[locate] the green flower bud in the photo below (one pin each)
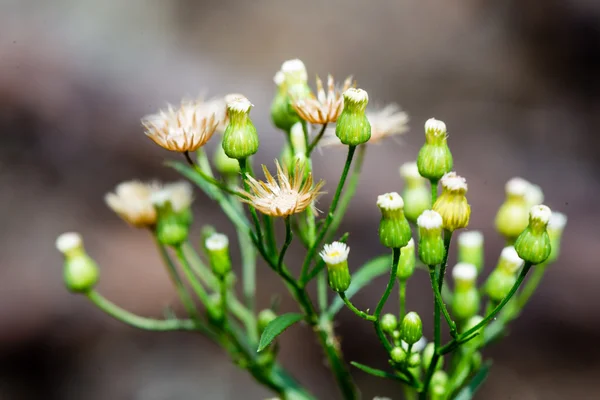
(407, 263)
(217, 247)
(240, 139)
(389, 323)
(431, 242)
(265, 317)
(281, 115)
(414, 360)
(411, 328)
(465, 301)
(335, 256)
(398, 355)
(512, 217)
(416, 195)
(452, 204)
(214, 309)
(502, 279)
(470, 248)
(556, 226)
(396, 334)
(171, 229)
(428, 353)
(225, 165)
(80, 271)
(435, 158)
(296, 80)
(394, 230)
(533, 245)
(353, 127)
(477, 341)
(286, 157)
(439, 378)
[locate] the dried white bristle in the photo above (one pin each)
(453, 182)
(390, 201)
(216, 242)
(335, 253)
(510, 256)
(239, 104)
(410, 170)
(279, 78)
(540, 213)
(429, 219)
(517, 186)
(68, 241)
(354, 95)
(435, 125)
(464, 272)
(557, 221)
(470, 239)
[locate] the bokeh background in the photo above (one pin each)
(517, 83)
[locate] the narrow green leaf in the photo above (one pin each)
(468, 391)
(371, 270)
(378, 373)
(276, 328)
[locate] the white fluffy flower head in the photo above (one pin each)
(435, 127)
(390, 201)
(69, 241)
(429, 220)
(540, 213)
(335, 253)
(464, 272)
(470, 239)
(294, 70)
(454, 183)
(216, 242)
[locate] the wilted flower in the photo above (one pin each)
(290, 194)
(187, 128)
(327, 107)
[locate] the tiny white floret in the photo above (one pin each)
(557, 221)
(470, 239)
(517, 187)
(429, 219)
(452, 182)
(390, 201)
(68, 241)
(540, 213)
(216, 242)
(354, 95)
(464, 272)
(435, 126)
(511, 259)
(335, 253)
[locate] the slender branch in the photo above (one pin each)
(355, 310)
(401, 299)
(322, 291)
(313, 249)
(383, 300)
(288, 240)
(434, 190)
(191, 277)
(444, 265)
(316, 140)
(244, 167)
(440, 302)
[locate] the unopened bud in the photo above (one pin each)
(171, 228)
(407, 263)
(389, 323)
(452, 204)
(556, 226)
(471, 323)
(533, 245)
(416, 195)
(225, 165)
(282, 115)
(470, 248)
(335, 256)
(265, 317)
(465, 300)
(80, 271)
(414, 360)
(297, 138)
(502, 279)
(431, 242)
(394, 230)
(411, 328)
(240, 139)
(353, 127)
(398, 355)
(512, 216)
(435, 158)
(217, 247)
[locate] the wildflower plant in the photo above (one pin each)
(415, 231)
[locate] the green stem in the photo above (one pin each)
(439, 302)
(270, 242)
(316, 140)
(401, 299)
(383, 300)
(288, 240)
(191, 277)
(322, 289)
(462, 338)
(244, 167)
(200, 269)
(444, 265)
(313, 249)
(209, 178)
(148, 324)
(355, 310)
(434, 190)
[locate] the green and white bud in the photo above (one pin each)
(470, 248)
(435, 158)
(398, 355)
(452, 204)
(394, 230)
(431, 242)
(466, 300)
(513, 214)
(217, 247)
(172, 227)
(296, 79)
(80, 271)
(265, 317)
(556, 226)
(389, 323)
(214, 309)
(504, 276)
(353, 127)
(335, 256)
(240, 139)
(408, 261)
(416, 194)
(471, 323)
(533, 245)
(411, 328)
(428, 353)
(282, 115)
(297, 138)
(438, 385)
(225, 165)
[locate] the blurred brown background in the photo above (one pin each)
(517, 82)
